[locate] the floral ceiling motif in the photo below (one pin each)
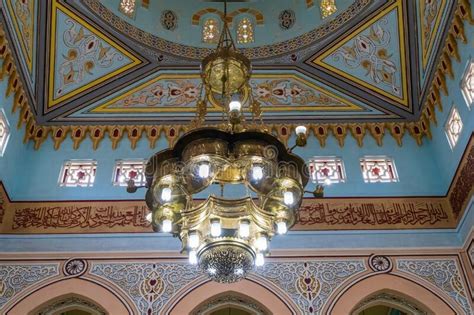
(82, 56)
(373, 57)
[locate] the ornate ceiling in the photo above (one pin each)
(85, 62)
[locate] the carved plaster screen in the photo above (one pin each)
(126, 170)
(453, 127)
(245, 31)
(378, 169)
(75, 173)
(4, 132)
(327, 7)
(127, 7)
(210, 31)
(327, 170)
(467, 84)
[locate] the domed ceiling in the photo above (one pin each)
(88, 62)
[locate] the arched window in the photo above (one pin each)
(245, 31)
(127, 7)
(210, 31)
(327, 7)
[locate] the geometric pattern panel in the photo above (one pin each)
(373, 56)
(81, 56)
(431, 16)
(22, 14)
(286, 94)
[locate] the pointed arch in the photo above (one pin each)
(250, 289)
(350, 298)
(87, 290)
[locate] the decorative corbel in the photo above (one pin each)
(415, 131)
(78, 133)
(59, 133)
(377, 130)
(452, 47)
(13, 83)
(40, 135)
(440, 82)
(425, 125)
(19, 100)
(97, 133)
(397, 130)
(153, 134)
(115, 135)
(446, 65)
(171, 134)
(134, 134)
(358, 132)
(457, 29)
(321, 133)
(339, 131)
(464, 11)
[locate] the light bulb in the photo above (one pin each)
(300, 130)
(235, 105)
(212, 270)
(149, 216)
(193, 257)
(288, 198)
(281, 227)
(259, 260)
(215, 228)
(257, 172)
(239, 271)
(327, 181)
(166, 194)
(204, 170)
(193, 239)
(244, 228)
(261, 243)
(166, 225)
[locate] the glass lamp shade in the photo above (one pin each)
(260, 175)
(226, 71)
(168, 191)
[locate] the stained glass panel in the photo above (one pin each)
(327, 7)
(453, 127)
(378, 169)
(78, 173)
(126, 170)
(327, 170)
(467, 84)
(210, 31)
(4, 132)
(245, 31)
(127, 7)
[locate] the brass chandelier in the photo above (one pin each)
(226, 191)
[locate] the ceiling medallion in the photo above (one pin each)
(225, 192)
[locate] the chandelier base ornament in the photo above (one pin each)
(226, 260)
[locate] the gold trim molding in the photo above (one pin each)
(417, 129)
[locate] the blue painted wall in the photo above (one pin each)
(423, 171)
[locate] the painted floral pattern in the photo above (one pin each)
(371, 52)
(443, 273)
(84, 56)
